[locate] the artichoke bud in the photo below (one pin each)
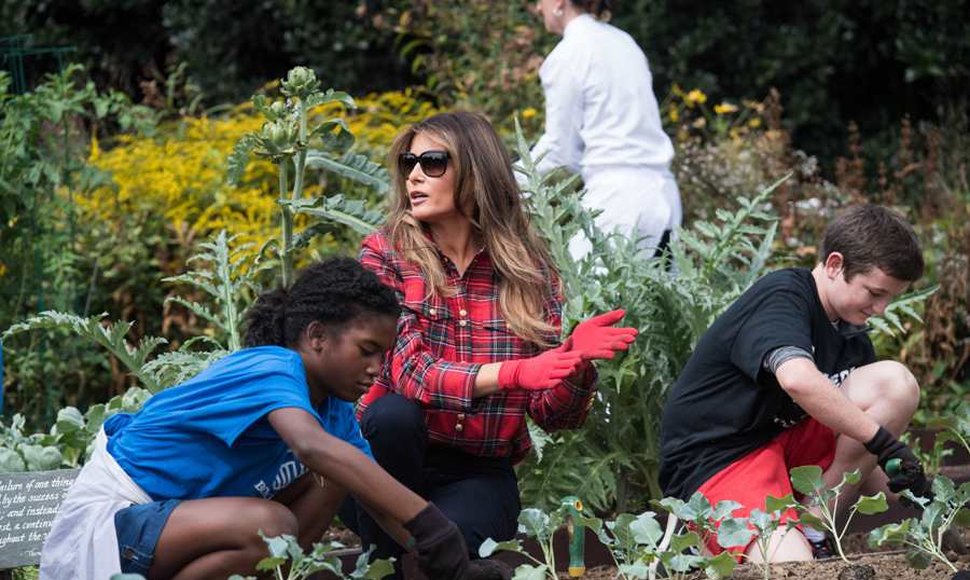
(277, 110)
(276, 137)
(300, 82)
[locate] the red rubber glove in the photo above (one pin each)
(539, 372)
(598, 338)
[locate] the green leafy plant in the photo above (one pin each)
(111, 336)
(955, 426)
(230, 283)
(701, 519)
(640, 549)
(541, 526)
(700, 514)
(734, 532)
(634, 543)
(932, 460)
(68, 443)
(765, 523)
(923, 537)
(22, 452)
(46, 137)
(286, 139)
(613, 461)
(225, 275)
(891, 321)
(288, 561)
(823, 508)
(481, 56)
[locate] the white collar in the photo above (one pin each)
(578, 22)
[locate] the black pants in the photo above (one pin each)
(479, 494)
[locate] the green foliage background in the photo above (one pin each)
(831, 61)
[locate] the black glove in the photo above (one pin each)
(488, 569)
(442, 553)
(908, 474)
(961, 575)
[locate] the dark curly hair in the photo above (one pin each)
(333, 292)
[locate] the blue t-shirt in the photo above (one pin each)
(210, 436)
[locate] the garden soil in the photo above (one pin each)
(886, 566)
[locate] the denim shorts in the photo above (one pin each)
(138, 527)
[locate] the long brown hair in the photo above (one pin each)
(487, 194)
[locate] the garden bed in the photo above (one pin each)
(885, 565)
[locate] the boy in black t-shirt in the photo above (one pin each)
(787, 377)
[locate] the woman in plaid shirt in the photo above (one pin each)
(478, 340)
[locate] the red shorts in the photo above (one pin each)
(764, 472)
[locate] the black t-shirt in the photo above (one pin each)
(724, 404)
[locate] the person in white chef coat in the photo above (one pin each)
(603, 122)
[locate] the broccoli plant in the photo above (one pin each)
(923, 537)
(699, 513)
(634, 543)
(701, 519)
(287, 561)
(761, 525)
(823, 506)
(542, 526)
(933, 460)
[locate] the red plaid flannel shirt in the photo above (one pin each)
(443, 341)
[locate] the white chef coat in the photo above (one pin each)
(603, 121)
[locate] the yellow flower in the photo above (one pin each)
(754, 123)
(180, 175)
(725, 108)
(695, 97)
(529, 113)
(3, 269)
(673, 114)
(95, 149)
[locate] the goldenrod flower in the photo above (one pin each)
(180, 174)
(725, 108)
(95, 149)
(695, 97)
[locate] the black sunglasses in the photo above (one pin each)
(433, 163)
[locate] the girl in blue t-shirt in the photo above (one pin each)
(264, 439)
